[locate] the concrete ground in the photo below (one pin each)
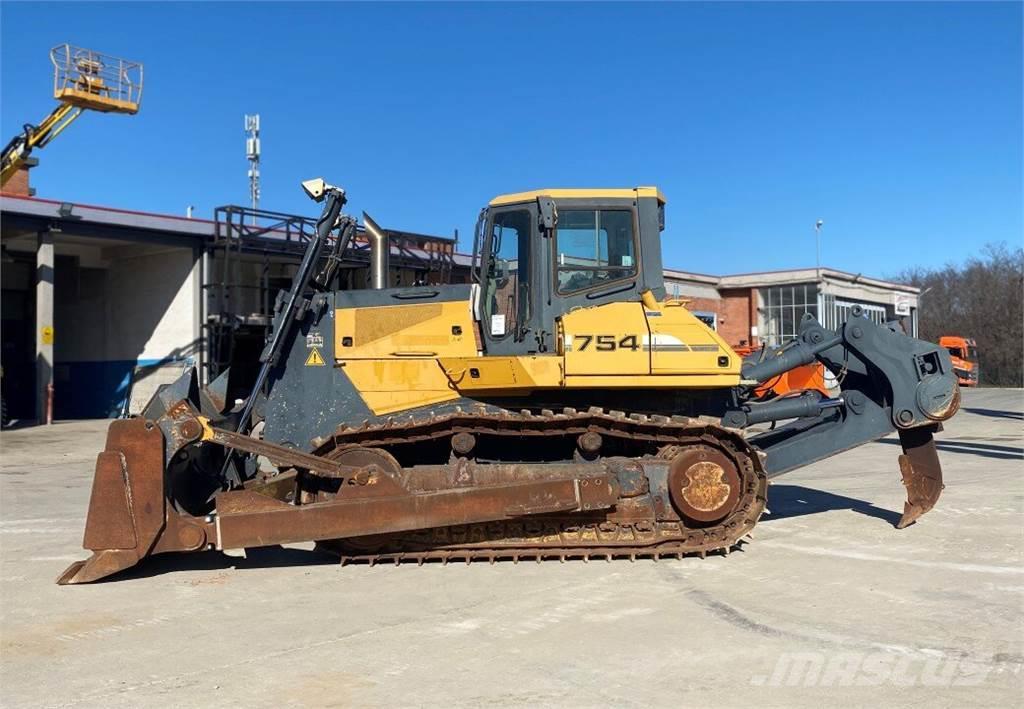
(828, 605)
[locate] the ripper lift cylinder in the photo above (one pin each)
(793, 355)
(805, 406)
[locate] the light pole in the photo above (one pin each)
(915, 321)
(817, 244)
(819, 286)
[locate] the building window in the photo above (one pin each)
(836, 312)
(874, 313)
(782, 307)
(709, 319)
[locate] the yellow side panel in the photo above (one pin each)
(509, 375)
(390, 385)
(409, 330)
(655, 381)
(681, 344)
(606, 339)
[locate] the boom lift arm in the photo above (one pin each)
(18, 150)
(82, 79)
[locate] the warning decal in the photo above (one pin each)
(314, 359)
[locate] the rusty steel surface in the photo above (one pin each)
(589, 443)
(681, 486)
(703, 482)
(922, 473)
(943, 405)
(282, 457)
(400, 430)
(463, 443)
(643, 523)
(353, 487)
(254, 520)
(377, 474)
(126, 508)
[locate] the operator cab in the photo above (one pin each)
(540, 254)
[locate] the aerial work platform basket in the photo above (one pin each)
(88, 79)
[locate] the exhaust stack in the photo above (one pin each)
(380, 253)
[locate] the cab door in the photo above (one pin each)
(506, 278)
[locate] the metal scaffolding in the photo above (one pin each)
(244, 234)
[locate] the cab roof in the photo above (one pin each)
(627, 193)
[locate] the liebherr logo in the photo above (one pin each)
(924, 668)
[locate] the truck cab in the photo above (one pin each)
(964, 353)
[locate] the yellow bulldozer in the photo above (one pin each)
(558, 406)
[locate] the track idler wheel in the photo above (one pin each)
(704, 484)
(321, 487)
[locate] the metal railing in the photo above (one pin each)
(90, 79)
(264, 235)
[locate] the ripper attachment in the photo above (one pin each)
(887, 382)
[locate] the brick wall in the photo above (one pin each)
(706, 305)
(734, 319)
(736, 311)
(18, 184)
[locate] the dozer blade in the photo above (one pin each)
(126, 509)
(922, 473)
(130, 516)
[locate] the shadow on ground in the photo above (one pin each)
(995, 413)
(784, 501)
(15, 424)
(258, 558)
(986, 450)
(787, 501)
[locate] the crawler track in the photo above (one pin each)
(645, 525)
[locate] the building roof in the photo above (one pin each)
(793, 275)
(28, 212)
(51, 209)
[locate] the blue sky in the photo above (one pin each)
(898, 124)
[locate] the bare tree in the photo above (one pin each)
(983, 299)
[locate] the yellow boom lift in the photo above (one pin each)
(82, 79)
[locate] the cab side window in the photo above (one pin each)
(593, 247)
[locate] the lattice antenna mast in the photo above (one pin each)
(252, 152)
